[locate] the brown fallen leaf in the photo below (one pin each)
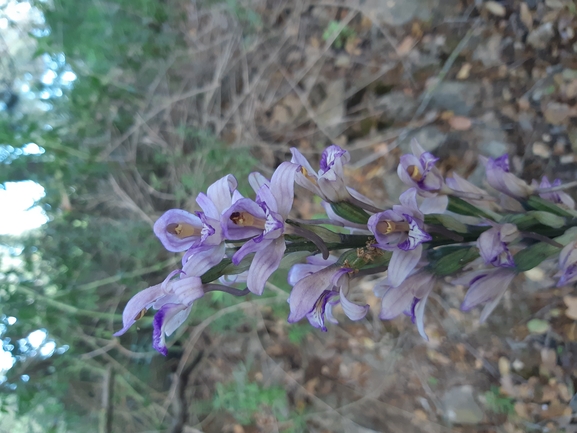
(495, 8)
(460, 123)
(525, 15)
(571, 302)
(406, 46)
(464, 72)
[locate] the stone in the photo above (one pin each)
(396, 106)
(429, 137)
(460, 406)
(541, 36)
(456, 96)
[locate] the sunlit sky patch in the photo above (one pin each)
(17, 211)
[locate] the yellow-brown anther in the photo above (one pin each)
(386, 227)
(141, 314)
(305, 172)
(414, 172)
(182, 230)
(246, 220)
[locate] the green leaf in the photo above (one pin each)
(538, 326)
(449, 260)
(548, 219)
(446, 221)
(538, 203)
(461, 207)
(350, 212)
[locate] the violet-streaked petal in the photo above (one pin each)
(395, 301)
(405, 162)
(176, 321)
(202, 258)
(141, 301)
(490, 306)
(188, 289)
(161, 318)
(220, 193)
(487, 287)
(569, 276)
(299, 271)
(299, 159)
(282, 187)
(316, 316)
(352, 311)
(171, 241)
(402, 263)
(408, 199)
(207, 205)
(420, 316)
(329, 312)
(416, 148)
(251, 246)
(416, 235)
(307, 291)
(332, 156)
(257, 180)
(437, 204)
(265, 262)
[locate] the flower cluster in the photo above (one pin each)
(423, 240)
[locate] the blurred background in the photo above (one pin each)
(112, 112)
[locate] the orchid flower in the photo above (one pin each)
(568, 264)
(557, 197)
(173, 299)
(262, 220)
(400, 230)
(493, 243)
(485, 286)
(329, 182)
(418, 171)
(199, 233)
(410, 297)
(500, 178)
(315, 295)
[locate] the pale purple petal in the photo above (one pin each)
(282, 187)
(298, 158)
(266, 196)
(490, 306)
(203, 258)
(568, 264)
(257, 180)
(353, 311)
(402, 263)
(486, 288)
(416, 148)
(499, 177)
(251, 246)
(220, 193)
(265, 262)
(408, 199)
(437, 204)
(316, 316)
(307, 291)
(299, 271)
(332, 160)
(334, 217)
(141, 301)
(415, 237)
(171, 241)
(420, 316)
(161, 318)
(175, 321)
(404, 163)
(207, 205)
(395, 301)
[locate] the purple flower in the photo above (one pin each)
(410, 298)
(568, 264)
(199, 233)
(502, 180)
(400, 230)
(314, 264)
(557, 197)
(262, 220)
(329, 182)
(173, 299)
(315, 295)
(418, 171)
(493, 243)
(488, 285)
